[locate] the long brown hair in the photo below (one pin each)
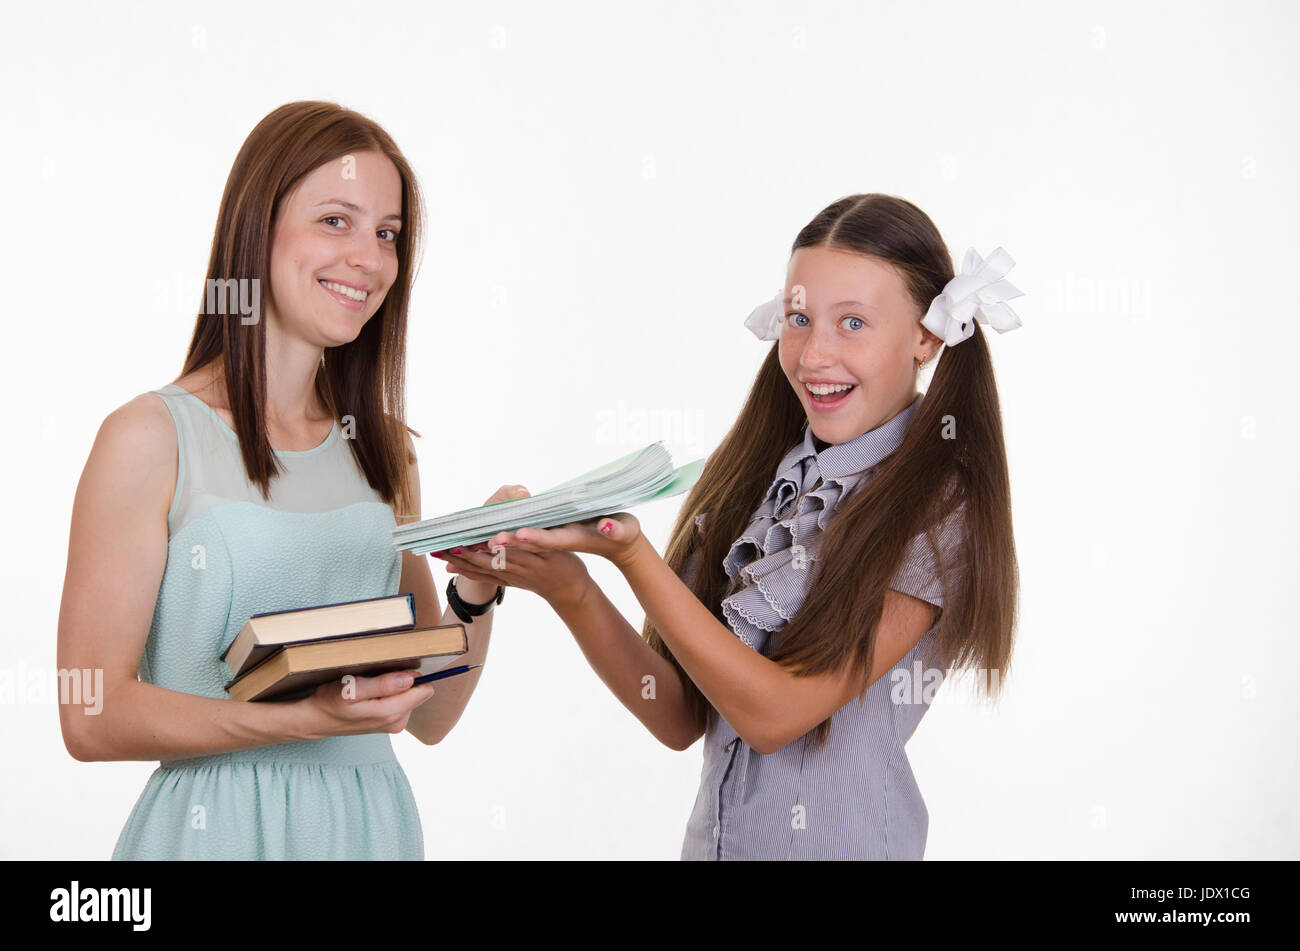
(918, 485)
(365, 378)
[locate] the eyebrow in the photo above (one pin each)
(351, 207)
(847, 303)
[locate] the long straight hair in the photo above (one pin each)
(918, 486)
(365, 378)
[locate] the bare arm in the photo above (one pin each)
(766, 703)
(647, 684)
(117, 552)
(431, 722)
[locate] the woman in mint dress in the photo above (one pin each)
(268, 477)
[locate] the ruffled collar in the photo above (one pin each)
(768, 587)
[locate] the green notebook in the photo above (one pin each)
(636, 478)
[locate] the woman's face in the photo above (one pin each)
(337, 227)
(850, 321)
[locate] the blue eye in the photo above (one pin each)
(859, 323)
(795, 318)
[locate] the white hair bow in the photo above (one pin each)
(977, 293)
(766, 319)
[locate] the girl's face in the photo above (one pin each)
(850, 322)
(337, 227)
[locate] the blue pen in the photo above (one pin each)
(443, 673)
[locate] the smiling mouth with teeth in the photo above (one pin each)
(349, 292)
(828, 392)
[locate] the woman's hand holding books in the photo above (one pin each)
(361, 705)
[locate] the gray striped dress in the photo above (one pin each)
(856, 798)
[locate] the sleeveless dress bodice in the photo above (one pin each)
(322, 537)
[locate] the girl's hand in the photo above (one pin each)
(615, 537)
(503, 494)
(363, 705)
(556, 575)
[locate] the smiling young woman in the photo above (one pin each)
(267, 477)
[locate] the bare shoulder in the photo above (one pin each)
(134, 453)
(142, 426)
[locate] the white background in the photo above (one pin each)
(611, 190)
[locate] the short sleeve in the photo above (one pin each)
(919, 574)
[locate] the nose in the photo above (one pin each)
(365, 252)
(820, 348)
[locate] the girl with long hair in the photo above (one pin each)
(267, 477)
(846, 546)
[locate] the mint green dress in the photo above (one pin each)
(323, 537)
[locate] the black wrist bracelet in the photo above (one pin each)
(467, 611)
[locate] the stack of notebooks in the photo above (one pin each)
(284, 655)
(639, 477)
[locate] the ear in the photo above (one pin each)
(928, 344)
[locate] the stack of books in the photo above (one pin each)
(283, 655)
(639, 477)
